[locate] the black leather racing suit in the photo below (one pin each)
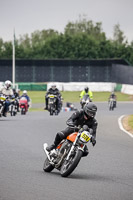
(54, 92)
(76, 119)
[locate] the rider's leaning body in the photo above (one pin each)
(8, 92)
(79, 118)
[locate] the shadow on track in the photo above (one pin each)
(92, 177)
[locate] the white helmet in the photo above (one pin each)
(8, 84)
(25, 92)
(53, 86)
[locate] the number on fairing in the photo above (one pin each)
(51, 96)
(2, 98)
(84, 137)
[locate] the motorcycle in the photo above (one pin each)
(13, 107)
(86, 99)
(112, 103)
(23, 104)
(68, 153)
(2, 103)
(52, 104)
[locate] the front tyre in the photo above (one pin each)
(69, 166)
(47, 167)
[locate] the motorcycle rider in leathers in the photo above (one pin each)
(53, 90)
(86, 116)
(7, 91)
(113, 96)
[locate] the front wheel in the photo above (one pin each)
(51, 110)
(69, 165)
(47, 167)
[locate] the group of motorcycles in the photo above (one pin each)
(16, 105)
(86, 99)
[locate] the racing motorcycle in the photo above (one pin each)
(68, 153)
(2, 103)
(111, 104)
(52, 104)
(23, 104)
(13, 106)
(86, 99)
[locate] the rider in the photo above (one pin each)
(26, 96)
(113, 96)
(86, 91)
(53, 90)
(16, 95)
(79, 118)
(7, 91)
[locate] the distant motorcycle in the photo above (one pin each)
(13, 107)
(68, 153)
(2, 103)
(23, 104)
(111, 104)
(52, 99)
(85, 99)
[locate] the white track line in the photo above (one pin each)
(121, 127)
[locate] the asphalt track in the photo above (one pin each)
(106, 174)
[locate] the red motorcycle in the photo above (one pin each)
(23, 104)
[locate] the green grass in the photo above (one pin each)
(39, 96)
(130, 121)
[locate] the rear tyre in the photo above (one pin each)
(69, 166)
(22, 111)
(47, 167)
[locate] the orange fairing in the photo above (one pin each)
(72, 137)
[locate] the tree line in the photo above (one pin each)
(82, 39)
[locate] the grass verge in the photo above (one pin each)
(39, 96)
(130, 121)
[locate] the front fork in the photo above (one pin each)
(73, 146)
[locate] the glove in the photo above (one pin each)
(93, 141)
(70, 123)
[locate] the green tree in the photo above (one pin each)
(118, 34)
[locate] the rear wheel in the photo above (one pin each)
(47, 167)
(23, 111)
(14, 113)
(69, 165)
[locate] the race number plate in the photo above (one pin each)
(84, 137)
(51, 96)
(2, 98)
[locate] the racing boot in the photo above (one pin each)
(58, 138)
(5, 114)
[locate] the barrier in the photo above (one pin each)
(79, 86)
(127, 89)
(32, 86)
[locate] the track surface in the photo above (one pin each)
(106, 174)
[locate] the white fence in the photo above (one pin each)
(79, 86)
